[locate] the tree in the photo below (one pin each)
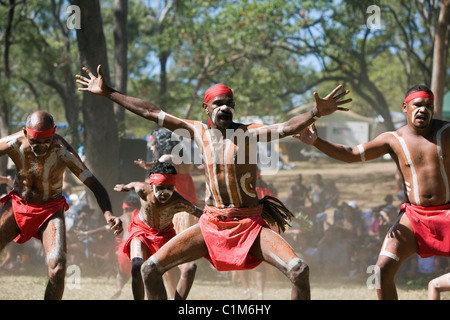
(120, 58)
(101, 135)
(441, 43)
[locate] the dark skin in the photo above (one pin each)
(158, 212)
(190, 245)
(427, 185)
(40, 165)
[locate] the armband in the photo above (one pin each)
(161, 116)
(362, 152)
(315, 117)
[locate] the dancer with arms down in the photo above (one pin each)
(35, 207)
(232, 232)
(421, 151)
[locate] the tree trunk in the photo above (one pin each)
(100, 128)
(441, 41)
(4, 129)
(120, 58)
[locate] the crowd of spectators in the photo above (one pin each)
(339, 239)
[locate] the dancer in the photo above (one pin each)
(420, 150)
(232, 232)
(153, 227)
(35, 207)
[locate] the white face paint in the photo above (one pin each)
(40, 149)
(162, 195)
(422, 109)
(221, 108)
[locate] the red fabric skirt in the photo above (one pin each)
(431, 227)
(229, 234)
(31, 216)
(122, 259)
(152, 238)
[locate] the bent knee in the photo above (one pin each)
(298, 271)
(151, 268)
(57, 268)
(189, 270)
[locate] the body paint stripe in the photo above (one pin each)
(411, 166)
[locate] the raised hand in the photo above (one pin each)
(94, 84)
(331, 102)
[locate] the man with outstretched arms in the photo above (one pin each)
(35, 207)
(421, 151)
(232, 232)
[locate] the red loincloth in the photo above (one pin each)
(31, 216)
(152, 238)
(229, 234)
(431, 227)
(122, 259)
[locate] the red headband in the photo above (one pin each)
(126, 205)
(217, 90)
(159, 178)
(419, 94)
(40, 134)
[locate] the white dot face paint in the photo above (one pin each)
(162, 195)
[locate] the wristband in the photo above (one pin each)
(313, 115)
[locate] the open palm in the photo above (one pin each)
(92, 84)
(331, 102)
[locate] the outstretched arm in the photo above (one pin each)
(143, 108)
(324, 106)
(362, 152)
(97, 85)
(141, 188)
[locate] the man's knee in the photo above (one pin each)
(298, 271)
(151, 269)
(387, 266)
(189, 270)
(136, 264)
(57, 268)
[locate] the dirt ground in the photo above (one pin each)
(367, 184)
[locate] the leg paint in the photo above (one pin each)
(53, 239)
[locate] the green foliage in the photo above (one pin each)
(272, 53)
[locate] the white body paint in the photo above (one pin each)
(362, 152)
(57, 251)
(415, 179)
